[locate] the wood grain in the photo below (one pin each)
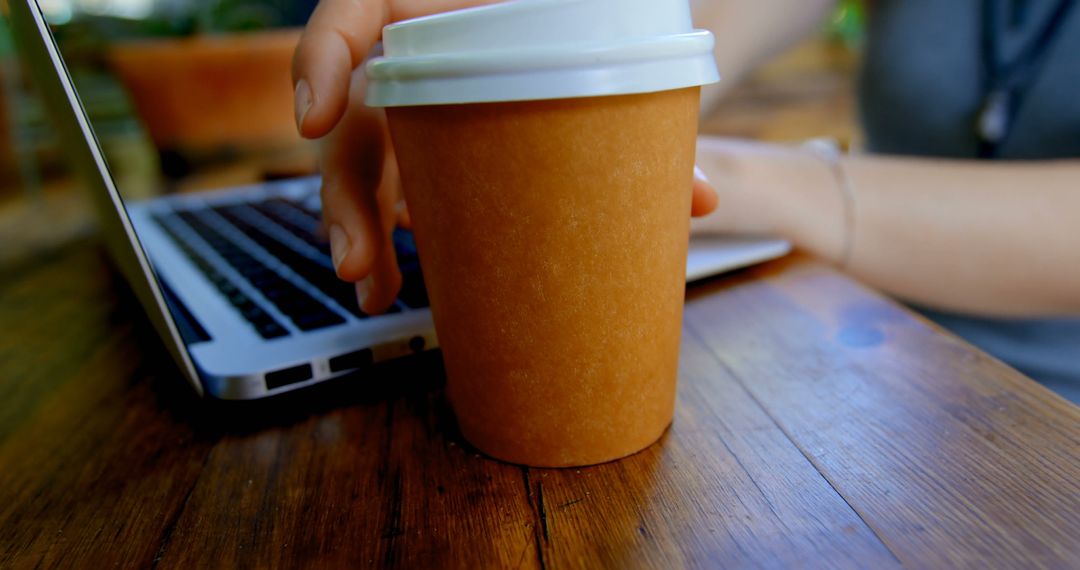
(725, 488)
(818, 425)
(94, 467)
(953, 458)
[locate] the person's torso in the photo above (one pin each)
(923, 86)
(924, 79)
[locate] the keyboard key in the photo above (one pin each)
(302, 309)
(318, 272)
(263, 322)
(413, 291)
(316, 320)
(262, 222)
(304, 224)
(296, 221)
(405, 244)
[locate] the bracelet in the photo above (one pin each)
(828, 150)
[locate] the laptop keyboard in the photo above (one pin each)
(305, 226)
(312, 270)
(263, 323)
(290, 232)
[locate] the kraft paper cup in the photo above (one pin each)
(553, 237)
(546, 150)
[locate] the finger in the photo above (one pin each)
(335, 41)
(360, 212)
(379, 290)
(352, 168)
(406, 9)
(704, 198)
(404, 220)
(707, 219)
(391, 185)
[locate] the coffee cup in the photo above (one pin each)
(546, 150)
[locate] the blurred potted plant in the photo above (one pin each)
(207, 74)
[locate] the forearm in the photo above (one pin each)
(988, 238)
(750, 33)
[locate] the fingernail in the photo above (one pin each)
(339, 244)
(363, 290)
(303, 102)
(700, 174)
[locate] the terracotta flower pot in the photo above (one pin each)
(208, 91)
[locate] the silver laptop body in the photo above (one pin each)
(238, 282)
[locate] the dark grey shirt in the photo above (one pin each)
(921, 89)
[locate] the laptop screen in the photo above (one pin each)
(186, 95)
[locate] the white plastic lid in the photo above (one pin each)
(541, 49)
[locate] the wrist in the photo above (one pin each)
(822, 219)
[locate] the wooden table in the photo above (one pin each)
(818, 425)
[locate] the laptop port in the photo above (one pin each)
(352, 360)
(286, 376)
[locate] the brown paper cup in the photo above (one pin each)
(552, 237)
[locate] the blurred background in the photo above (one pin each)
(187, 95)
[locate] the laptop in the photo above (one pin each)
(238, 282)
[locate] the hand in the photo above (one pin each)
(768, 189)
(361, 192)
